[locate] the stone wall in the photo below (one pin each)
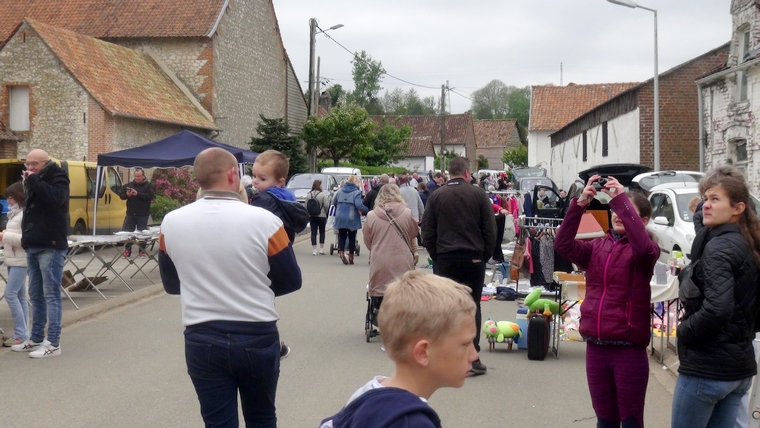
(58, 104)
(493, 155)
(249, 70)
(130, 133)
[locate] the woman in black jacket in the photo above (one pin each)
(717, 360)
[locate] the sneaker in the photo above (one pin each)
(127, 253)
(322, 251)
(314, 253)
(46, 351)
(141, 255)
(28, 346)
(478, 368)
(12, 341)
(284, 350)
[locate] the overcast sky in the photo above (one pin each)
(520, 42)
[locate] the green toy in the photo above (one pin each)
(535, 303)
(501, 331)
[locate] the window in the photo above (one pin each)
(738, 155)
(18, 111)
(743, 50)
(744, 45)
(585, 147)
(605, 141)
(667, 210)
(741, 83)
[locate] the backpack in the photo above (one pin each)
(312, 205)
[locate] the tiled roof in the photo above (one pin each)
(457, 126)
(553, 107)
(116, 18)
(493, 132)
(421, 147)
(125, 82)
(8, 135)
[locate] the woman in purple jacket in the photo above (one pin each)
(615, 312)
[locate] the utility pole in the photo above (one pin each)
(443, 128)
(312, 155)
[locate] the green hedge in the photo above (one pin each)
(162, 205)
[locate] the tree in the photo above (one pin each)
(496, 100)
(394, 103)
(367, 76)
(389, 145)
(408, 103)
(449, 156)
(482, 162)
(516, 157)
(519, 105)
(274, 134)
(491, 101)
(345, 131)
(337, 94)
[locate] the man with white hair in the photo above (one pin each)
(44, 226)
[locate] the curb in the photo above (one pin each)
(77, 315)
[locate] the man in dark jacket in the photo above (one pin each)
(459, 233)
(138, 193)
(435, 182)
(369, 200)
(43, 237)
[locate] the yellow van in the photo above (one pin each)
(111, 208)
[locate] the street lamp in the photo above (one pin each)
(633, 5)
(313, 104)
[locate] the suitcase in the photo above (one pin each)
(538, 337)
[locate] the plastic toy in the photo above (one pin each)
(536, 304)
(500, 332)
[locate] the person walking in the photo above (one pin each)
(348, 204)
(459, 233)
(319, 221)
(43, 236)
(720, 301)
(227, 261)
(424, 193)
(390, 233)
(138, 193)
(615, 313)
(15, 260)
(369, 199)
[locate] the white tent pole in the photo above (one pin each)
(98, 178)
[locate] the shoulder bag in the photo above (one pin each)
(401, 233)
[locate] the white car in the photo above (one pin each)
(672, 223)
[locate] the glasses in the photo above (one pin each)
(34, 163)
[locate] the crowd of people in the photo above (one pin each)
(228, 278)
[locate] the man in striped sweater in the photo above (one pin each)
(228, 260)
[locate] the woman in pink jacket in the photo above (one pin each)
(392, 245)
(615, 312)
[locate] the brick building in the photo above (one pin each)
(221, 62)
(552, 107)
(459, 134)
(730, 132)
(495, 136)
(621, 130)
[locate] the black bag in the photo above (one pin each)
(538, 337)
(312, 205)
(506, 293)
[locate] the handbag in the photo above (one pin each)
(509, 229)
(392, 221)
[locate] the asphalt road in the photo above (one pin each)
(125, 367)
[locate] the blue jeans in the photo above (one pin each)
(45, 267)
(700, 402)
(222, 364)
(15, 295)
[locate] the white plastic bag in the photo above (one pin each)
(509, 229)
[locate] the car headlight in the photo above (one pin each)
(690, 238)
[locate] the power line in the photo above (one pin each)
(463, 96)
(386, 73)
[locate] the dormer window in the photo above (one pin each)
(744, 46)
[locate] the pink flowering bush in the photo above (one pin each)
(174, 187)
(176, 183)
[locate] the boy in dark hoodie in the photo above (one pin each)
(269, 172)
(427, 357)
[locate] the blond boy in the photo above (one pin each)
(428, 324)
(270, 170)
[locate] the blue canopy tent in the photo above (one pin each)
(175, 151)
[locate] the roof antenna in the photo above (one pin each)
(560, 74)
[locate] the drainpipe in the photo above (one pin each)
(700, 108)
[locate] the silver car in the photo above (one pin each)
(301, 184)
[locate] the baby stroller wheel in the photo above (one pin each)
(332, 249)
(357, 250)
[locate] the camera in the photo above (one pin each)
(599, 184)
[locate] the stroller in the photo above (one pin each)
(370, 320)
(334, 246)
